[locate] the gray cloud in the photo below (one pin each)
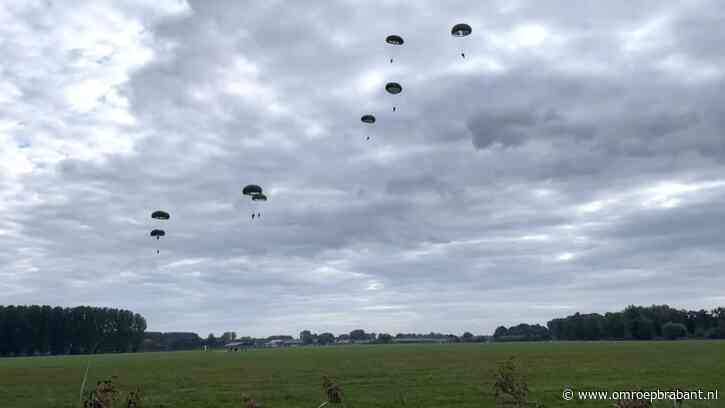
(573, 161)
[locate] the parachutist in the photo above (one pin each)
(463, 55)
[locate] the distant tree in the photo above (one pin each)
(306, 337)
(467, 337)
(674, 331)
(501, 331)
(326, 338)
(211, 341)
(228, 337)
(642, 328)
(385, 338)
(614, 326)
(358, 334)
(30, 330)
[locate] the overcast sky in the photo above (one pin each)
(574, 161)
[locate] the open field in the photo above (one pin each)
(456, 375)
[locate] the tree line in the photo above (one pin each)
(641, 323)
(633, 323)
(33, 330)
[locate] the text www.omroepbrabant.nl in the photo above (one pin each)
(672, 395)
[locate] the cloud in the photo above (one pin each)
(572, 162)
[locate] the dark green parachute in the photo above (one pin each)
(160, 215)
(461, 30)
(393, 88)
(157, 233)
(252, 189)
(394, 40)
(368, 119)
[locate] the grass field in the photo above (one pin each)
(456, 375)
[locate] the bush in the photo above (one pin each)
(510, 388)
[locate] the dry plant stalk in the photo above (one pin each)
(249, 402)
(103, 396)
(332, 392)
(510, 388)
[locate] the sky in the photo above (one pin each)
(573, 161)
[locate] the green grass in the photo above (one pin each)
(457, 375)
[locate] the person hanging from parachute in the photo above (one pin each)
(369, 120)
(157, 233)
(256, 194)
(393, 88)
(395, 41)
(461, 30)
(159, 215)
(258, 198)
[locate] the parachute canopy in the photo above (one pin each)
(394, 40)
(252, 189)
(461, 30)
(160, 215)
(393, 88)
(259, 197)
(158, 233)
(368, 119)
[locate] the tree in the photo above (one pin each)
(642, 328)
(358, 334)
(674, 331)
(211, 341)
(306, 337)
(467, 337)
(228, 337)
(326, 338)
(501, 331)
(29, 330)
(385, 338)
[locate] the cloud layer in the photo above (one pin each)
(574, 161)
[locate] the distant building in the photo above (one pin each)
(236, 346)
(408, 340)
(283, 343)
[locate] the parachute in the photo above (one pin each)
(368, 119)
(160, 215)
(157, 233)
(252, 189)
(393, 88)
(257, 196)
(396, 41)
(461, 30)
